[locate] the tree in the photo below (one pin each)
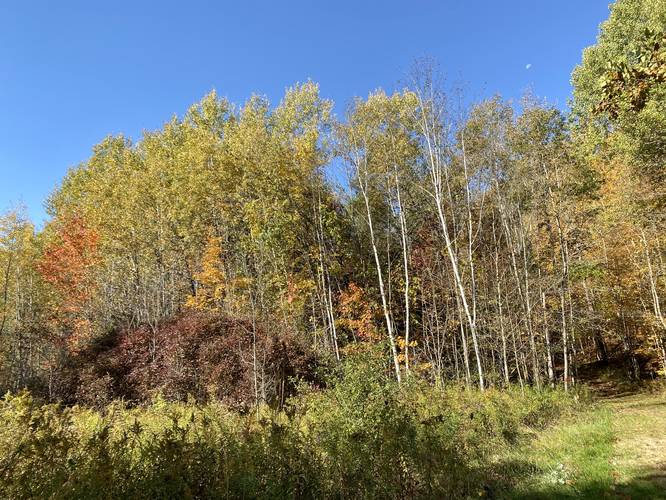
(68, 265)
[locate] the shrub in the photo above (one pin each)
(362, 437)
(198, 354)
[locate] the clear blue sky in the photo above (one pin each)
(72, 72)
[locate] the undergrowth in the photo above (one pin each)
(362, 437)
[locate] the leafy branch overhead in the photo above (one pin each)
(628, 80)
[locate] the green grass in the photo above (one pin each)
(614, 450)
(571, 460)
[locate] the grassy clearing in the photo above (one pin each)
(640, 451)
(617, 449)
(571, 460)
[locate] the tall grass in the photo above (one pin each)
(363, 437)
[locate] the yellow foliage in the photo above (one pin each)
(210, 290)
(357, 313)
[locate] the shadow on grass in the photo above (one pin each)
(523, 480)
(642, 405)
(637, 489)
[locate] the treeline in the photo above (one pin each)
(493, 245)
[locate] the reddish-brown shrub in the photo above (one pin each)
(199, 354)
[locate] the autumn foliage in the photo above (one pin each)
(210, 281)
(500, 244)
(68, 265)
(202, 355)
(358, 315)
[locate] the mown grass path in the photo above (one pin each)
(617, 450)
(639, 458)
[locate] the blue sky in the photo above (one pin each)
(72, 72)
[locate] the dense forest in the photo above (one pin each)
(353, 287)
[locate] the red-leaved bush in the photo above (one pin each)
(201, 355)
